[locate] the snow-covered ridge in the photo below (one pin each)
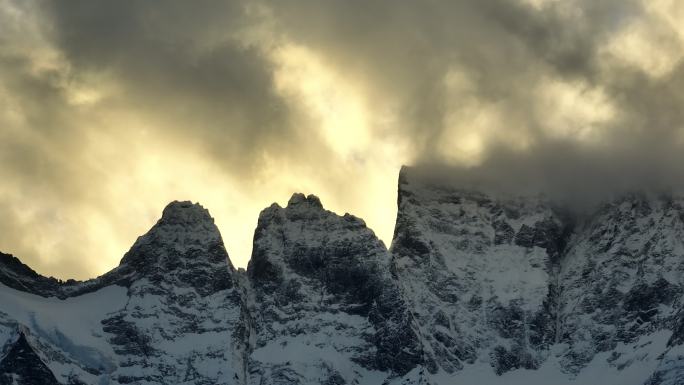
(514, 284)
(478, 287)
(325, 305)
(171, 312)
(182, 228)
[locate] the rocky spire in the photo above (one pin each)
(309, 265)
(184, 247)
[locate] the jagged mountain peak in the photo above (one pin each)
(185, 213)
(303, 223)
(17, 275)
(309, 211)
(183, 226)
(183, 248)
(314, 274)
(300, 200)
(11, 265)
(184, 243)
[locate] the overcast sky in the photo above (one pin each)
(111, 109)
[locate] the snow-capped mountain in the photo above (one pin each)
(479, 272)
(171, 313)
(478, 287)
(513, 290)
(326, 308)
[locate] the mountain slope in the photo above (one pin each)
(326, 308)
(170, 313)
(511, 289)
(480, 273)
(622, 283)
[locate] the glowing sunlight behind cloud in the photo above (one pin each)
(327, 97)
(109, 110)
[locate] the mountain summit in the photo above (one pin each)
(184, 248)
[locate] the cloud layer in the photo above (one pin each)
(108, 110)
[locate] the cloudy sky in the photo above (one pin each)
(111, 109)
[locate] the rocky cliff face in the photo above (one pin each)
(477, 287)
(520, 286)
(326, 307)
(170, 313)
(480, 273)
(22, 366)
(622, 283)
(182, 320)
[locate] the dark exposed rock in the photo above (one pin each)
(307, 261)
(504, 360)
(643, 298)
(504, 233)
(22, 366)
(126, 338)
(18, 276)
(614, 286)
(547, 234)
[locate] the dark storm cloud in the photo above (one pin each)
(538, 87)
(573, 176)
(405, 49)
(508, 48)
(186, 63)
(183, 67)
